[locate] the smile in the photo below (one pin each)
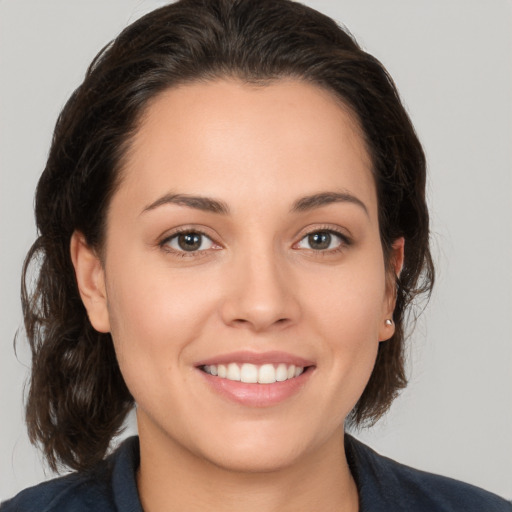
(254, 374)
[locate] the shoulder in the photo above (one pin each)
(388, 485)
(75, 492)
(110, 486)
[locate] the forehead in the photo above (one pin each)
(232, 140)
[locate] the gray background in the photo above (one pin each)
(452, 62)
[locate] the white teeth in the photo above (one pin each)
(267, 374)
(249, 373)
(252, 374)
(233, 371)
(281, 372)
(212, 370)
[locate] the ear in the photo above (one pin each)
(396, 262)
(90, 277)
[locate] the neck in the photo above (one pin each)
(171, 478)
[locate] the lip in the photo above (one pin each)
(241, 357)
(256, 395)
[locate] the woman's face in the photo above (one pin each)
(243, 243)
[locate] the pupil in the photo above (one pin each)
(321, 240)
(189, 241)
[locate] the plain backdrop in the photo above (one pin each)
(452, 61)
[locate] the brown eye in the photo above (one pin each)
(321, 241)
(189, 241)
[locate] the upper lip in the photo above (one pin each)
(257, 358)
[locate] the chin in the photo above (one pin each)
(255, 460)
(266, 448)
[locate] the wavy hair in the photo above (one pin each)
(77, 400)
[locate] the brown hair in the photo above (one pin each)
(78, 399)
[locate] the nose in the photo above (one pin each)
(261, 294)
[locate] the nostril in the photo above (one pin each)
(240, 321)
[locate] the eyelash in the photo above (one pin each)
(344, 241)
(164, 244)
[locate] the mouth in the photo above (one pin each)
(253, 373)
(256, 379)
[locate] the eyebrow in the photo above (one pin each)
(209, 204)
(206, 204)
(324, 198)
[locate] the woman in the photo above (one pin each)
(232, 226)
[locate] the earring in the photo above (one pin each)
(388, 322)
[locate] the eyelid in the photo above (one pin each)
(341, 233)
(346, 239)
(200, 230)
(331, 228)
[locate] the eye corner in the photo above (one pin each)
(188, 242)
(328, 240)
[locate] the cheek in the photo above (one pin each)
(151, 325)
(154, 311)
(346, 309)
(349, 301)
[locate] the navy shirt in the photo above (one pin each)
(383, 484)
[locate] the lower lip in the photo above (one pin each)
(257, 395)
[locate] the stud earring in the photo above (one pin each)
(388, 322)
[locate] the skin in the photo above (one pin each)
(256, 284)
